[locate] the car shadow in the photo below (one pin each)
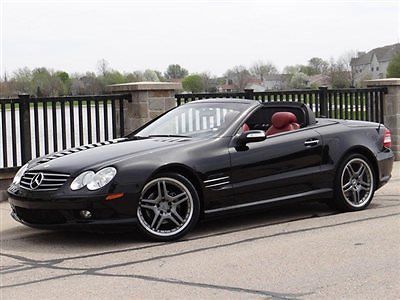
(116, 237)
(22, 237)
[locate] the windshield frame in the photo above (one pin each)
(229, 131)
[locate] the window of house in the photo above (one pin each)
(377, 68)
(372, 69)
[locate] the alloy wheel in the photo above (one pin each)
(165, 207)
(357, 182)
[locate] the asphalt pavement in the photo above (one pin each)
(303, 251)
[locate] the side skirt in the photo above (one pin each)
(273, 200)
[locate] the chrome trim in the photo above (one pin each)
(217, 184)
(47, 174)
(50, 182)
(319, 191)
(216, 179)
(311, 143)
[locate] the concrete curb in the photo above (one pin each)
(395, 175)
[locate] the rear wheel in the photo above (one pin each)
(354, 184)
(169, 207)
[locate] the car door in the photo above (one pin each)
(284, 164)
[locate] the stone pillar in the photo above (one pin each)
(391, 109)
(149, 100)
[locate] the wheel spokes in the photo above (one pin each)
(357, 182)
(179, 199)
(156, 215)
(150, 201)
(351, 170)
(151, 207)
(356, 196)
(172, 218)
(347, 187)
(175, 213)
(160, 222)
(170, 203)
(361, 171)
(364, 185)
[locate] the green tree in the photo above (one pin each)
(86, 84)
(339, 74)
(64, 77)
(239, 76)
(175, 72)
(261, 69)
(112, 77)
(299, 80)
(66, 81)
(209, 82)
(150, 75)
(393, 70)
(193, 83)
(135, 76)
(318, 66)
(46, 83)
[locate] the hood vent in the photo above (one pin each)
(52, 156)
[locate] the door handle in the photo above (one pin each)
(311, 142)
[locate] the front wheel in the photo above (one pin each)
(168, 208)
(354, 184)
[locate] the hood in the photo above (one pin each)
(102, 154)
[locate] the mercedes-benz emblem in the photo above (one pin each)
(36, 181)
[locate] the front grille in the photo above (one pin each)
(50, 181)
(40, 216)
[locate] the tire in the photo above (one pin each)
(169, 207)
(355, 183)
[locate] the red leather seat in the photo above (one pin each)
(282, 122)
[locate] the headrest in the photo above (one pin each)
(281, 119)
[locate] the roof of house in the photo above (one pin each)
(226, 86)
(382, 54)
(276, 77)
(320, 80)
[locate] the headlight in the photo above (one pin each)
(93, 181)
(82, 180)
(101, 178)
(20, 173)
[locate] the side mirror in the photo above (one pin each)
(251, 136)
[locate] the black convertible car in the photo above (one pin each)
(205, 158)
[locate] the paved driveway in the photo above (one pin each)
(301, 251)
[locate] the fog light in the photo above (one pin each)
(85, 214)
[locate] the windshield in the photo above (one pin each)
(195, 120)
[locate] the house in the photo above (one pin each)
(319, 80)
(228, 86)
(373, 64)
(276, 81)
(269, 82)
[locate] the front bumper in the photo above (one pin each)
(66, 212)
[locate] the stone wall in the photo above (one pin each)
(149, 100)
(391, 109)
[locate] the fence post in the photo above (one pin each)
(391, 108)
(323, 101)
(249, 94)
(25, 128)
(149, 100)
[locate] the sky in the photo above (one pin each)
(199, 35)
